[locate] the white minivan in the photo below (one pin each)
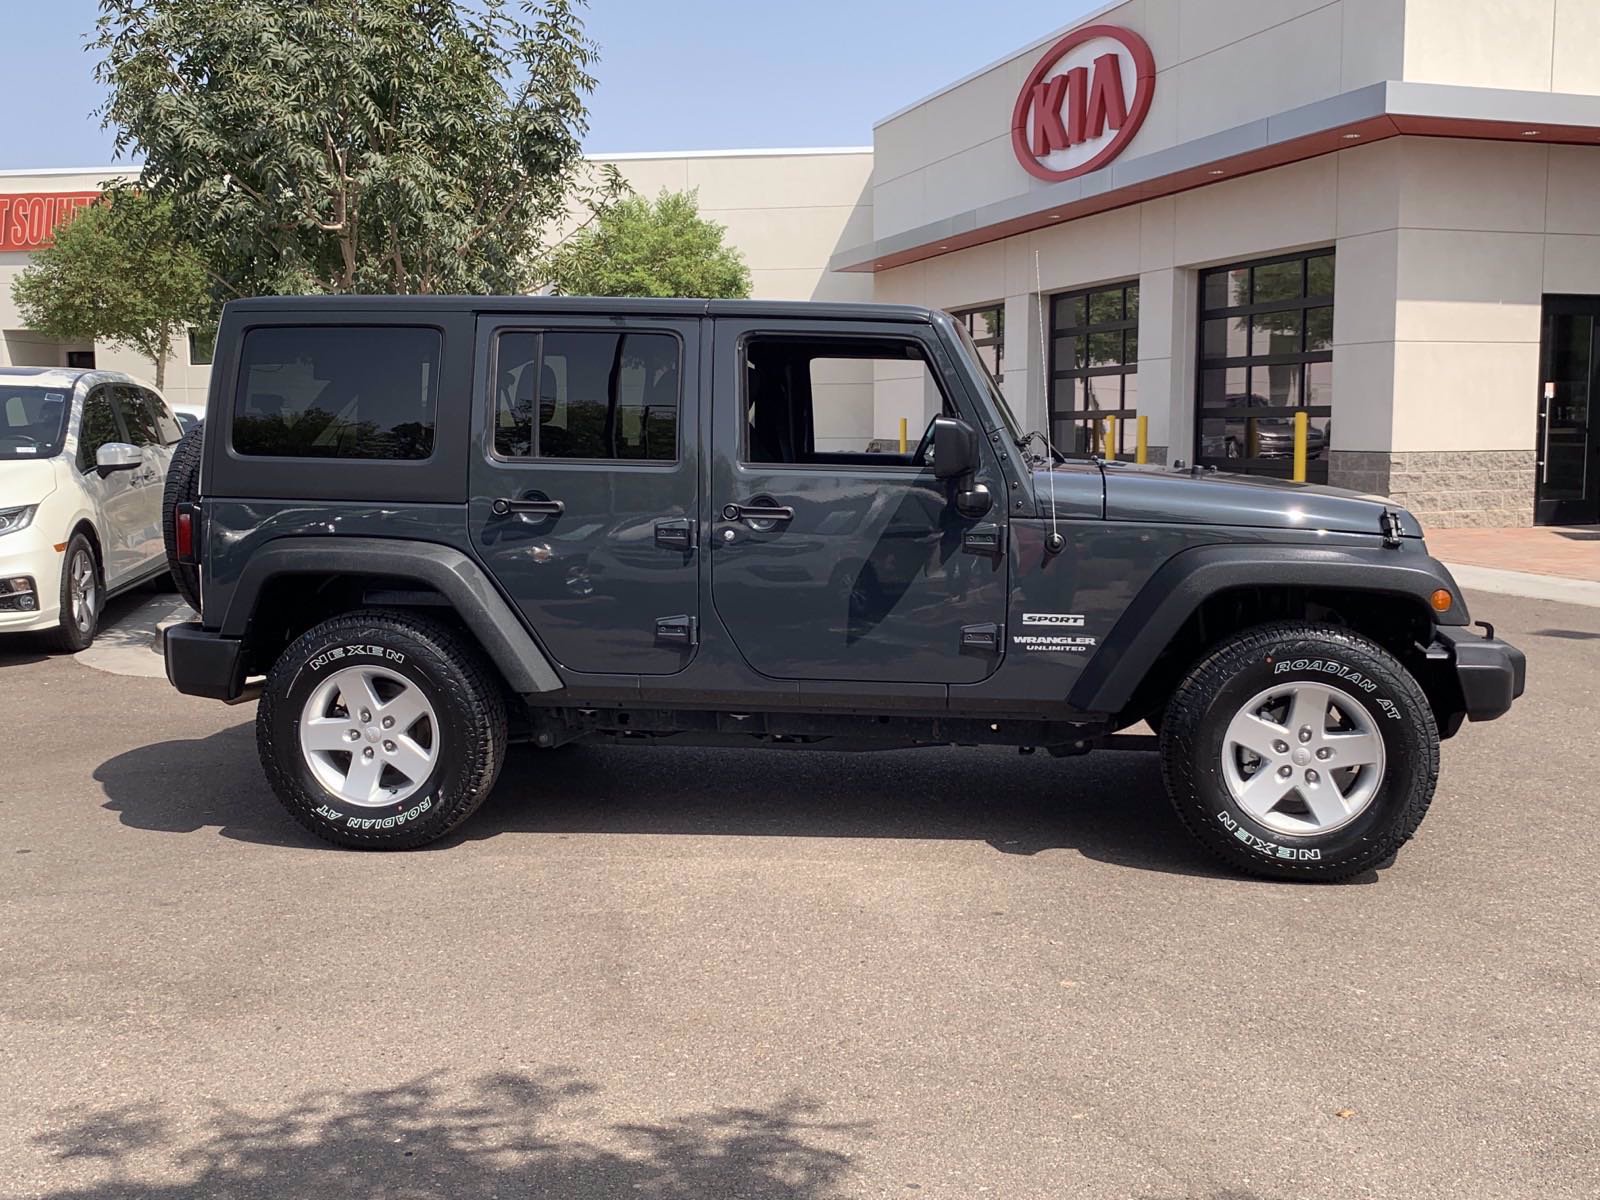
(83, 461)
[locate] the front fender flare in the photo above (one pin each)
(1176, 590)
(443, 568)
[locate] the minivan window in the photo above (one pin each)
(577, 394)
(166, 424)
(136, 416)
(100, 426)
(33, 421)
(328, 391)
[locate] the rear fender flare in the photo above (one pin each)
(445, 569)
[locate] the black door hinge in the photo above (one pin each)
(987, 538)
(982, 639)
(678, 631)
(676, 534)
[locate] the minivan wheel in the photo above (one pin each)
(381, 731)
(1300, 751)
(81, 597)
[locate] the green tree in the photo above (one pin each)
(118, 272)
(639, 247)
(356, 145)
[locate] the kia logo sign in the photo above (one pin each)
(1083, 102)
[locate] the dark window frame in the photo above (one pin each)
(1061, 379)
(1280, 466)
(240, 390)
(929, 362)
(535, 459)
(964, 316)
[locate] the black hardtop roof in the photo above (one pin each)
(796, 309)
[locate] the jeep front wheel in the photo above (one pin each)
(381, 731)
(1300, 752)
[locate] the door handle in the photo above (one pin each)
(543, 508)
(757, 512)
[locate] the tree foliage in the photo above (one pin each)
(356, 145)
(119, 272)
(639, 247)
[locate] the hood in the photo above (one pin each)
(26, 480)
(1159, 494)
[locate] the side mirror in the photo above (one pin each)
(118, 456)
(955, 448)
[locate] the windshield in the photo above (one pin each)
(976, 359)
(33, 420)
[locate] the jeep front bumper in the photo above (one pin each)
(201, 662)
(1490, 673)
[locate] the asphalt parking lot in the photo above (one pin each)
(678, 973)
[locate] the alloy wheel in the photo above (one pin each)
(369, 736)
(1303, 758)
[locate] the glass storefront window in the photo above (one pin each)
(1266, 350)
(1094, 370)
(987, 327)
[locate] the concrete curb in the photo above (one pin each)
(1531, 587)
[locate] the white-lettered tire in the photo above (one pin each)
(1299, 751)
(381, 731)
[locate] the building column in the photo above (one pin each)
(1167, 334)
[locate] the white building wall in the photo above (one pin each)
(1526, 45)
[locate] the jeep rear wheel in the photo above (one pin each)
(1300, 752)
(182, 487)
(381, 731)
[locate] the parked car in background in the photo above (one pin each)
(1273, 435)
(83, 460)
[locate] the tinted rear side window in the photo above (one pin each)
(587, 395)
(337, 392)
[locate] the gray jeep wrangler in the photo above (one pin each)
(420, 528)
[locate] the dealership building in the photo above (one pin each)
(1210, 214)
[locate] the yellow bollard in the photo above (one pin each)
(1302, 430)
(902, 435)
(1141, 452)
(1111, 439)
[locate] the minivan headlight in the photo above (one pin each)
(13, 519)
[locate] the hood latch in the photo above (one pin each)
(1389, 524)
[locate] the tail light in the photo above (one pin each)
(184, 519)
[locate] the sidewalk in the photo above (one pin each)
(1542, 563)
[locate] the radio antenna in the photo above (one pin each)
(1054, 543)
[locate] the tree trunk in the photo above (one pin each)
(163, 348)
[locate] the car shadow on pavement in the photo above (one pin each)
(508, 1134)
(1108, 806)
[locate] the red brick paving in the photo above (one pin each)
(1547, 550)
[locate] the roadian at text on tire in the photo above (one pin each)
(424, 527)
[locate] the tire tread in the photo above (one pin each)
(1182, 726)
(475, 689)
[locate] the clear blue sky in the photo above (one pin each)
(674, 74)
